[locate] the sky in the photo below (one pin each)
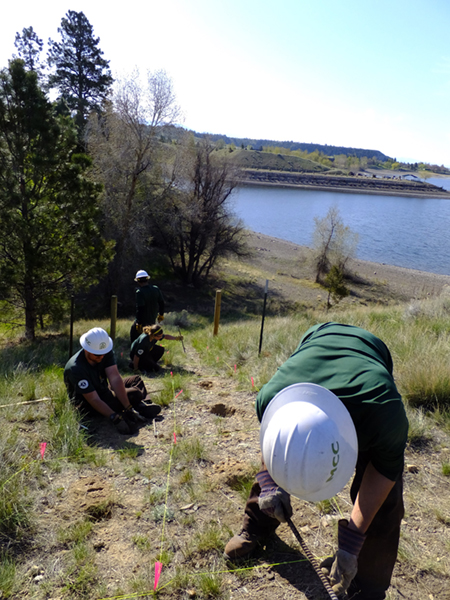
(373, 75)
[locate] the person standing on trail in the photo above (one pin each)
(332, 404)
(145, 352)
(149, 304)
(94, 384)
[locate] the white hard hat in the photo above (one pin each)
(96, 341)
(142, 275)
(308, 441)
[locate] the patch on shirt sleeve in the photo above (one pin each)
(140, 352)
(83, 384)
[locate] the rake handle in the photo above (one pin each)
(182, 343)
(312, 560)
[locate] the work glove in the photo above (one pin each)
(179, 338)
(131, 414)
(343, 566)
(160, 318)
(120, 424)
(139, 328)
(273, 500)
(131, 421)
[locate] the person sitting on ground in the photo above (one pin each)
(95, 386)
(149, 304)
(145, 352)
(332, 404)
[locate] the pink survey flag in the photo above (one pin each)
(174, 437)
(43, 447)
(158, 568)
(253, 383)
(235, 368)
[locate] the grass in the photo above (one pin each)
(251, 159)
(243, 484)
(188, 451)
(77, 533)
(419, 433)
(16, 514)
(210, 584)
(142, 542)
(212, 537)
(81, 576)
(7, 574)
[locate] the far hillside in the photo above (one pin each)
(268, 161)
(344, 159)
(259, 144)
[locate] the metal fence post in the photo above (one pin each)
(263, 315)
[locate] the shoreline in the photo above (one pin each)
(405, 283)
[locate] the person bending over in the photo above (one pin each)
(145, 351)
(332, 404)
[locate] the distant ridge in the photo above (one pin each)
(258, 144)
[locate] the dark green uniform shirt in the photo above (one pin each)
(357, 367)
(143, 345)
(149, 303)
(81, 378)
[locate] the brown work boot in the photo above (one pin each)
(241, 546)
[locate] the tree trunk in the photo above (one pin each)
(30, 312)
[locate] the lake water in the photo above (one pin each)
(406, 232)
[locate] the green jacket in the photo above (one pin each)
(357, 367)
(149, 303)
(143, 345)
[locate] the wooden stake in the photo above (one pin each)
(113, 317)
(217, 311)
(27, 402)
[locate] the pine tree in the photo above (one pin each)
(81, 74)
(29, 47)
(49, 236)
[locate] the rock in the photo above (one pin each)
(305, 529)
(412, 468)
(326, 520)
